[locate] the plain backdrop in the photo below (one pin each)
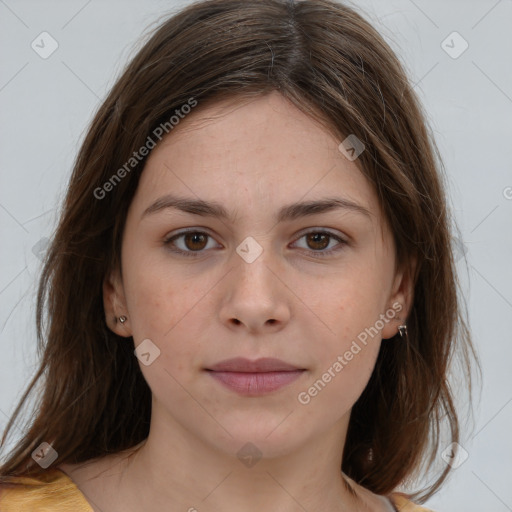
(47, 103)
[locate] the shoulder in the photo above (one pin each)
(51, 491)
(403, 504)
(397, 500)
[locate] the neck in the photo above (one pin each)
(175, 467)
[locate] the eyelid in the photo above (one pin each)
(321, 229)
(341, 239)
(197, 229)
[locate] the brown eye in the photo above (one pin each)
(318, 241)
(189, 243)
(195, 241)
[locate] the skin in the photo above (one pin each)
(253, 157)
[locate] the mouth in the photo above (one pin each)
(253, 378)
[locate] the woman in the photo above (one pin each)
(243, 292)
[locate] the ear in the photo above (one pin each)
(114, 303)
(401, 298)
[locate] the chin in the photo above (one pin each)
(267, 442)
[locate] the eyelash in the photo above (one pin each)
(195, 254)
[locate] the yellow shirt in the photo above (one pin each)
(54, 491)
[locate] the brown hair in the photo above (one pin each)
(333, 65)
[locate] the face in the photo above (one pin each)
(313, 287)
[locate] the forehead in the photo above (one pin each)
(252, 154)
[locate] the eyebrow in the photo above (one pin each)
(286, 213)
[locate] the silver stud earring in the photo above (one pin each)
(122, 319)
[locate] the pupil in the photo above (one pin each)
(195, 237)
(316, 239)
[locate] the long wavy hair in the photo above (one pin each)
(92, 399)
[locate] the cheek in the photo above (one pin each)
(332, 394)
(155, 294)
(169, 309)
(345, 362)
(355, 303)
(350, 350)
(163, 315)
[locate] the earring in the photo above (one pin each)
(122, 319)
(402, 329)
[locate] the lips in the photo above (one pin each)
(263, 365)
(254, 378)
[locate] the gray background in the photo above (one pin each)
(47, 104)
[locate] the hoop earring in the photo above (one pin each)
(122, 319)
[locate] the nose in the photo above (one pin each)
(255, 298)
